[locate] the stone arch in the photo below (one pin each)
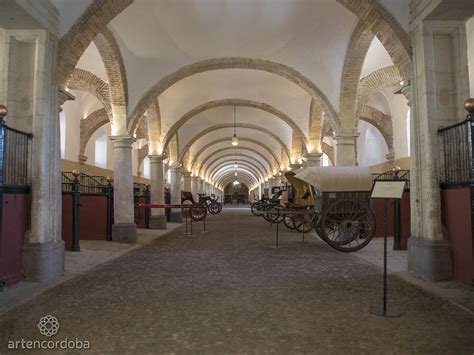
(230, 125)
(384, 125)
(329, 151)
(238, 149)
(375, 81)
(229, 176)
(355, 57)
(228, 156)
(91, 124)
(378, 20)
(243, 139)
(93, 21)
(261, 174)
(88, 82)
(213, 173)
(142, 154)
(233, 102)
(235, 63)
(113, 62)
(207, 146)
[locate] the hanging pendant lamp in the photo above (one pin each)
(235, 139)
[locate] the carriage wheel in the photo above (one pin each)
(213, 208)
(275, 217)
(288, 222)
(257, 209)
(265, 212)
(197, 213)
(304, 223)
(220, 207)
(347, 224)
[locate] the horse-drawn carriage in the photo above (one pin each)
(335, 201)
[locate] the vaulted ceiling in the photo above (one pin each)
(197, 59)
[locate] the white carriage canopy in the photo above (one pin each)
(337, 178)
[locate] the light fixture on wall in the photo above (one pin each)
(235, 139)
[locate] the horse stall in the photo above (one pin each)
(87, 205)
(15, 200)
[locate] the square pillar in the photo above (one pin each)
(176, 214)
(124, 229)
(158, 217)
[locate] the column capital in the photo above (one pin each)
(63, 96)
(122, 141)
(156, 158)
(195, 178)
(344, 138)
(405, 90)
(82, 159)
(176, 169)
(294, 167)
(186, 173)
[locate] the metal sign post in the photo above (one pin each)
(386, 190)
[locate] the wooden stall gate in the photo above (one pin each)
(87, 201)
(15, 199)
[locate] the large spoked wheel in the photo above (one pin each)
(288, 221)
(347, 225)
(265, 212)
(197, 213)
(304, 222)
(275, 215)
(213, 208)
(257, 208)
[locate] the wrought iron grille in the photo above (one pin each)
(15, 153)
(456, 141)
(89, 185)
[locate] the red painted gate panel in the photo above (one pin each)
(16, 213)
(456, 218)
(92, 219)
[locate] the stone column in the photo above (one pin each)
(313, 159)
(56, 181)
(345, 149)
(176, 214)
(124, 229)
(187, 181)
(158, 217)
(32, 98)
(195, 187)
(201, 186)
(438, 90)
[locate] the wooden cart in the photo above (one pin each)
(341, 214)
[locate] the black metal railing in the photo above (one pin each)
(394, 175)
(89, 185)
(15, 147)
(456, 156)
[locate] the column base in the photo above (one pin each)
(430, 259)
(43, 262)
(124, 233)
(176, 217)
(158, 222)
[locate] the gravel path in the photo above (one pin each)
(230, 292)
